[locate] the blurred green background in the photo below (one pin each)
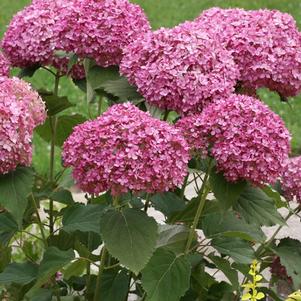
(169, 13)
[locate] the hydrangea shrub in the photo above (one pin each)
(178, 161)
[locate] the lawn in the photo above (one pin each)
(169, 13)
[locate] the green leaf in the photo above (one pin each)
(229, 225)
(53, 260)
(14, 190)
(257, 208)
(239, 250)
(7, 223)
(226, 193)
(130, 236)
(42, 294)
(83, 218)
(55, 104)
(275, 195)
(168, 203)
(65, 125)
(62, 196)
(75, 269)
(20, 273)
(166, 277)
(224, 265)
(173, 237)
(114, 285)
(122, 89)
(5, 257)
(289, 251)
(28, 71)
(97, 76)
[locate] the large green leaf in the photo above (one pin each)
(97, 76)
(14, 190)
(114, 285)
(76, 268)
(122, 89)
(130, 236)
(85, 218)
(173, 237)
(42, 294)
(65, 125)
(239, 250)
(168, 203)
(7, 223)
(257, 208)
(226, 193)
(20, 273)
(229, 225)
(289, 251)
(62, 196)
(224, 266)
(166, 277)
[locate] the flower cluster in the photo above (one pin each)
(22, 110)
(4, 65)
(101, 29)
(181, 69)
(245, 137)
(265, 44)
(126, 149)
(278, 270)
(291, 179)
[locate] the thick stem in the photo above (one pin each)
(202, 198)
(100, 272)
(184, 187)
(166, 115)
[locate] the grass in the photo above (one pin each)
(169, 13)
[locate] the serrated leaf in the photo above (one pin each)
(14, 190)
(257, 208)
(173, 237)
(54, 103)
(166, 277)
(238, 249)
(130, 236)
(83, 218)
(168, 203)
(226, 193)
(289, 251)
(62, 196)
(20, 273)
(122, 89)
(229, 225)
(114, 285)
(65, 125)
(224, 266)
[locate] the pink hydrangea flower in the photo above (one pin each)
(291, 179)
(21, 111)
(33, 35)
(265, 44)
(181, 69)
(101, 29)
(247, 139)
(4, 65)
(126, 149)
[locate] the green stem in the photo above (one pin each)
(39, 220)
(202, 198)
(184, 187)
(147, 202)
(99, 105)
(166, 115)
(100, 272)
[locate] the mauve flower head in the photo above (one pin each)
(33, 35)
(100, 30)
(4, 65)
(181, 69)
(247, 140)
(124, 150)
(265, 44)
(21, 110)
(291, 179)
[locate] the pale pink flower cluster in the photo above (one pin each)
(101, 29)
(291, 179)
(181, 69)
(21, 110)
(4, 65)
(247, 140)
(126, 149)
(265, 44)
(89, 28)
